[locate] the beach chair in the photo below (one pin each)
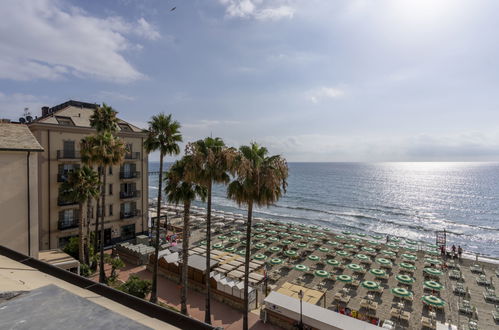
(477, 269)
(387, 324)
(495, 316)
(491, 297)
(426, 322)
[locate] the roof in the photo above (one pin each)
(77, 114)
(315, 316)
(58, 258)
(199, 262)
(17, 137)
(309, 295)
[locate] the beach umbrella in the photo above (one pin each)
(376, 237)
(340, 237)
(349, 246)
(239, 222)
(318, 233)
(218, 224)
(433, 246)
(314, 257)
(432, 271)
(243, 242)
(218, 246)
(202, 243)
(346, 232)
(332, 262)
(362, 257)
(344, 278)
(236, 232)
(259, 223)
(355, 240)
(370, 285)
(368, 249)
(392, 245)
(326, 229)
(401, 292)
(230, 249)
(269, 225)
(433, 285)
(361, 234)
(293, 229)
(432, 252)
(343, 253)
(295, 236)
(388, 253)
(290, 253)
(383, 261)
(276, 261)
(302, 268)
(260, 245)
(222, 237)
(260, 256)
(313, 227)
(306, 231)
(272, 232)
(234, 240)
(411, 248)
(407, 265)
(260, 230)
(274, 249)
(273, 239)
(241, 252)
(433, 301)
(377, 272)
(321, 273)
(286, 242)
(332, 243)
(282, 227)
(260, 236)
(406, 279)
(411, 242)
(312, 239)
(285, 234)
(238, 215)
(408, 256)
(374, 242)
(301, 245)
(433, 261)
(395, 239)
(323, 249)
(355, 267)
(302, 225)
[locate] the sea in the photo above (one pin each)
(412, 199)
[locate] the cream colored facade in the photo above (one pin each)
(59, 132)
(19, 193)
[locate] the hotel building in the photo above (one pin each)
(59, 131)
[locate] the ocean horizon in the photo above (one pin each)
(408, 199)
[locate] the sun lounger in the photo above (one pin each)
(491, 297)
(459, 290)
(456, 275)
(476, 269)
(426, 322)
(472, 325)
(387, 324)
(483, 281)
(405, 316)
(495, 316)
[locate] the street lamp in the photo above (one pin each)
(300, 295)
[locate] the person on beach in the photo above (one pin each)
(453, 251)
(459, 251)
(442, 250)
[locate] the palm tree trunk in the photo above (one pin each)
(81, 252)
(97, 214)
(185, 258)
(87, 234)
(102, 273)
(246, 266)
(154, 293)
(207, 314)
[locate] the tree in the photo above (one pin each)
(136, 286)
(211, 161)
(260, 180)
(81, 185)
(179, 189)
(116, 263)
(164, 135)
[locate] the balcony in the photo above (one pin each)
(129, 194)
(129, 175)
(132, 155)
(68, 154)
(130, 214)
(64, 202)
(65, 224)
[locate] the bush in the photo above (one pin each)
(72, 248)
(116, 263)
(85, 270)
(136, 287)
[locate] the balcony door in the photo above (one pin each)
(69, 149)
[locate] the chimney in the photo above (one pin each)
(45, 111)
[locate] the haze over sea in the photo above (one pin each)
(411, 200)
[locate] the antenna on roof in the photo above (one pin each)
(26, 116)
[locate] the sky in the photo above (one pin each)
(312, 80)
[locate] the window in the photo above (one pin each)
(69, 149)
(128, 232)
(129, 147)
(124, 127)
(64, 121)
(110, 170)
(110, 209)
(110, 189)
(99, 211)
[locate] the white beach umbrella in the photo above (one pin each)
(229, 219)
(240, 222)
(218, 224)
(238, 215)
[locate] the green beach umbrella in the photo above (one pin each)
(333, 262)
(326, 229)
(276, 261)
(392, 245)
(355, 240)
(258, 224)
(340, 237)
(297, 236)
(332, 243)
(432, 252)
(374, 243)
(433, 271)
(222, 237)
(306, 231)
(411, 242)
(230, 249)
(284, 234)
(243, 242)
(317, 233)
(282, 227)
(368, 249)
(407, 265)
(408, 256)
(260, 236)
(286, 242)
(302, 268)
(361, 234)
(293, 229)
(401, 292)
(241, 252)
(290, 253)
(376, 237)
(355, 267)
(388, 253)
(273, 239)
(269, 225)
(406, 279)
(343, 253)
(260, 256)
(370, 285)
(321, 273)
(362, 257)
(301, 245)
(433, 261)
(314, 257)
(260, 230)
(234, 240)
(312, 239)
(411, 248)
(202, 243)
(433, 301)
(236, 232)
(302, 225)
(344, 278)
(272, 232)
(218, 246)
(433, 285)
(323, 249)
(349, 246)
(383, 261)
(377, 272)
(433, 246)
(395, 239)
(274, 249)
(260, 245)
(313, 227)
(346, 232)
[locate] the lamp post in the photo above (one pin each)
(300, 295)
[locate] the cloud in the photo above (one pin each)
(49, 39)
(258, 9)
(318, 94)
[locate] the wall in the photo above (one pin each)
(14, 202)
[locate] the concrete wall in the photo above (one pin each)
(18, 211)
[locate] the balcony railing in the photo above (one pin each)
(129, 175)
(132, 155)
(64, 224)
(68, 154)
(130, 214)
(63, 202)
(129, 194)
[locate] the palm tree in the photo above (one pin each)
(179, 189)
(104, 119)
(104, 150)
(81, 185)
(211, 161)
(260, 180)
(164, 135)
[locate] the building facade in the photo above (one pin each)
(19, 151)
(59, 131)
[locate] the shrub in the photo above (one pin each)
(136, 286)
(72, 248)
